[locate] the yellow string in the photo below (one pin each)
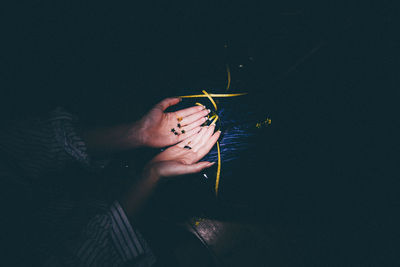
(228, 71)
(212, 100)
(212, 95)
(219, 152)
(215, 117)
(218, 170)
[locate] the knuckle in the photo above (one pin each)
(198, 168)
(196, 154)
(186, 161)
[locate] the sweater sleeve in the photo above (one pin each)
(44, 145)
(107, 240)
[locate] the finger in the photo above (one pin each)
(190, 141)
(204, 149)
(194, 117)
(184, 130)
(188, 136)
(204, 138)
(194, 124)
(163, 105)
(198, 136)
(194, 168)
(189, 111)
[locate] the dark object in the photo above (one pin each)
(173, 130)
(179, 125)
(183, 131)
(187, 147)
(175, 133)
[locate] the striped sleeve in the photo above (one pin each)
(44, 145)
(124, 236)
(109, 240)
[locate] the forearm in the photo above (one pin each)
(43, 145)
(140, 192)
(108, 140)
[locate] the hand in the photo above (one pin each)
(183, 157)
(155, 128)
(175, 160)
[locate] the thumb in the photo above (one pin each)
(163, 105)
(175, 169)
(194, 168)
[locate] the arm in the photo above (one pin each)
(48, 144)
(43, 145)
(110, 237)
(153, 130)
(174, 161)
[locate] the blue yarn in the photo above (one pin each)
(237, 122)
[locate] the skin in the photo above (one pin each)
(177, 160)
(155, 127)
(174, 161)
(154, 130)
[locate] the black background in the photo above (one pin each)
(327, 75)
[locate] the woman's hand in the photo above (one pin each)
(183, 157)
(160, 129)
(179, 159)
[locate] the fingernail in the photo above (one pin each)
(208, 110)
(210, 164)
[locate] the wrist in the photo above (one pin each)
(151, 172)
(140, 191)
(136, 136)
